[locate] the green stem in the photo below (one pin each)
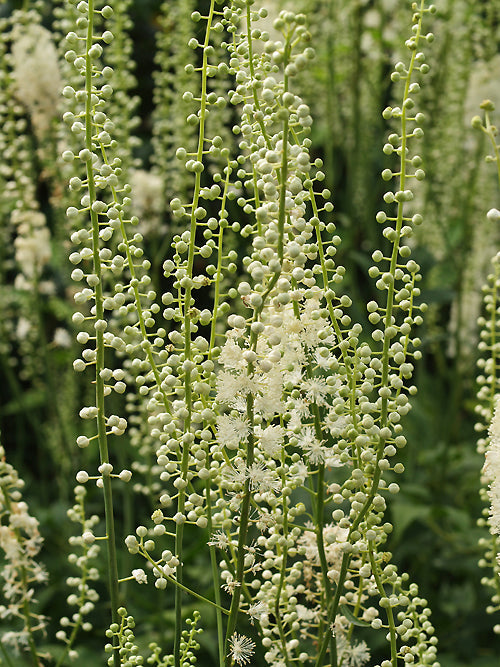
(319, 522)
(220, 254)
(179, 531)
(242, 536)
(219, 609)
(284, 557)
(99, 314)
(5, 655)
(332, 613)
(390, 615)
(215, 576)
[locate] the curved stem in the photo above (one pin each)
(390, 615)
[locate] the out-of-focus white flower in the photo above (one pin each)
(62, 338)
(148, 201)
(32, 243)
(353, 655)
(36, 74)
(20, 543)
(23, 328)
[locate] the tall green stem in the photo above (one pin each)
(179, 530)
(99, 314)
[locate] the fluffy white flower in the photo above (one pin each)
(311, 445)
(231, 430)
(32, 243)
(316, 389)
(148, 200)
(353, 655)
(263, 479)
(62, 338)
(271, 439)
(36, 74)
(257, 611)
(231, 355)
(323, 360)
(241, 648)
(269, 400)
(219, 540)
(231, 386)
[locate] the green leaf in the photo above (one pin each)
(345, 611)
(33, 398)
(405, 513)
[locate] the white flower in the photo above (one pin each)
(140, 576)
(311, 445)
(32, 243)
(36, 74)
(219, 540)
(235, 473)
(257, 611)
(323, 360)
(271, 439)
(494, 429)
(263, 479)
(307, 614)
(231, 386)
(148, 200)
(316, 389)
(62, 338)
(268, 401)
(231, 430)
(230, 584)
(353, 655)
(242, 648)
(231, 355)
(312, 326)
(332, 460)
(491, 469)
